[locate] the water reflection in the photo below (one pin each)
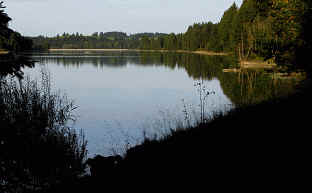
(122, 95)
(245, 87)
(254, 86)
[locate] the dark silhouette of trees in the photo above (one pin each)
(108, 40)
(9, 39)
(4, 18)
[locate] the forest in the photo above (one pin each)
(273, 29)
(107, 40)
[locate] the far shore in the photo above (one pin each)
(201, 52)
(244, 64)
(102, 50)
(2, 52)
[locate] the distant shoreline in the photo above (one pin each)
(107, 50)
(200, 52)
(2, 52)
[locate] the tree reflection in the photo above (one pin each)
(243, 88)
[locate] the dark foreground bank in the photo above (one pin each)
(257, 146)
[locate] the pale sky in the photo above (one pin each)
(49, 17)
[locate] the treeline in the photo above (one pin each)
(9, 39)
(108, 40)
(271, 29)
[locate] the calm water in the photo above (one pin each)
(123, 96)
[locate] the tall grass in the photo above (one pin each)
(37, 148)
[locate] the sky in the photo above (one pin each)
(50, 17)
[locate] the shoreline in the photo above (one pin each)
(4, 52)
(252, 64)
(257, 64)
(107, 50)
(244, 64)
(200, 52)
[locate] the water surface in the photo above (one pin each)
(125, 96)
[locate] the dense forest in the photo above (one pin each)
(108, 40)
(9, 39)
(272, 29)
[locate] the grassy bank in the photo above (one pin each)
(261, 138)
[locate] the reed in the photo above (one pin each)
(37, 147)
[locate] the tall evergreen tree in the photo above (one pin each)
(225, 29)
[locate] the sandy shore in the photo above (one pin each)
(208, 53)
(2, 52)
(250, 64)
(78, 50)
(257, 64)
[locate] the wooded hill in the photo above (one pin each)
(108, 40)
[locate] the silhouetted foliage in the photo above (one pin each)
(13, 65)
(4, 18)
(37, 148)
(9, 39)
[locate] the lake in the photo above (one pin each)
(123, 97)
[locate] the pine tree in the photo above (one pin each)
(4, 18)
